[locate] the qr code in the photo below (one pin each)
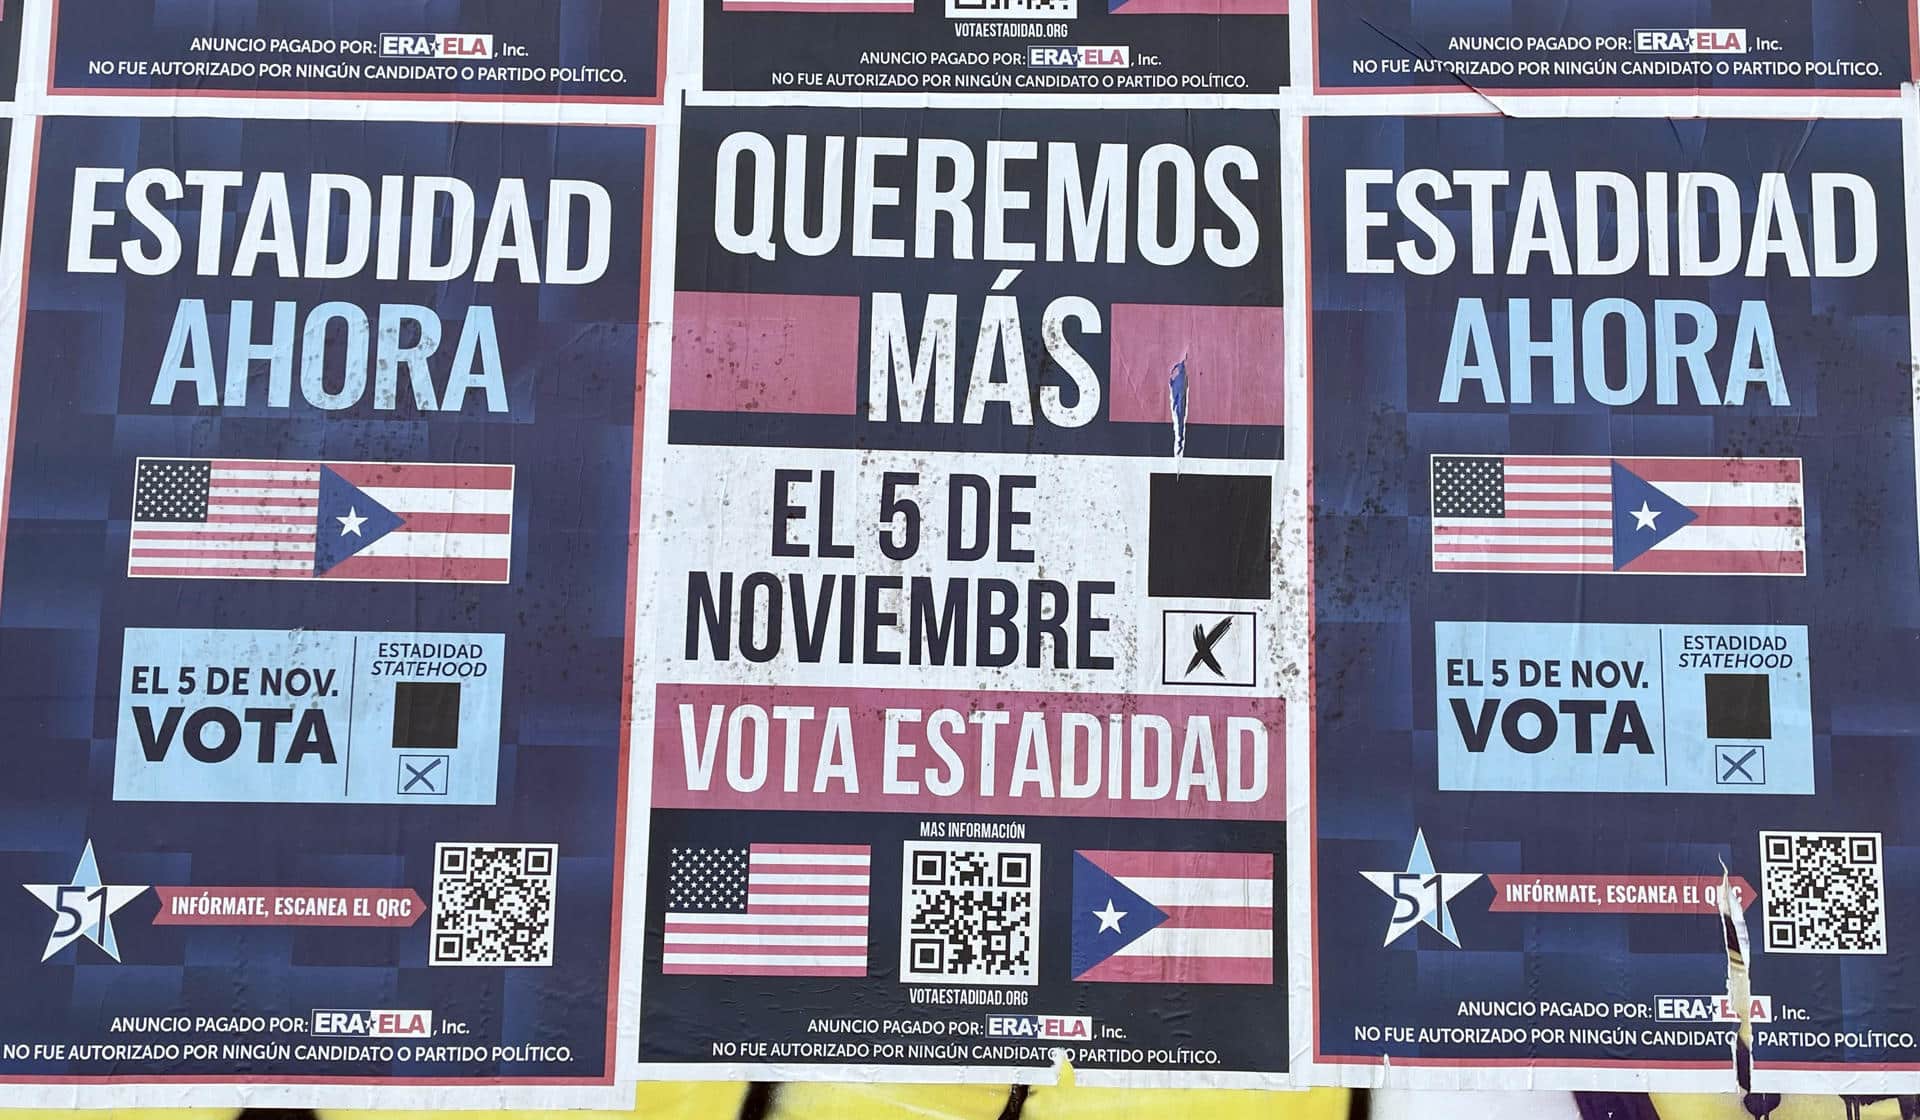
(969, 913)
(1012, 9)
(1824, 892)
(493, 903)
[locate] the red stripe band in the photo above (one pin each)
(1185, 865)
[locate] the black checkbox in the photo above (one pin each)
(1739, 706)
(426, 714)
(1207, 536)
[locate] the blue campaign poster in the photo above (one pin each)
(1614, 593)
(314, 614)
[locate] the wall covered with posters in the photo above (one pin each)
(1001, 557)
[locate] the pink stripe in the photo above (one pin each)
(757, 909)
(1454, 548)
(1564, 514)
(448, 568)
(219, 573)
(1496, 529)
(807, 888)
(815, 6)
(223, 554)
(141, 533)
(763, 970)
(1233, 354)
(500, 523)
(257, 465)
(1557, 495)
(215, 501)
(1747, 515)
(677, 923)
(1509, 566)
(1218, 917)
(252, 519)
(1182, 970)
(1556, 461)
(812, 849)
(1695, 562)
(1714, 470)
(746, 945)
(752, 352)
(431, 476)
(1246, 741)
(1202, 8)
(1184, 865)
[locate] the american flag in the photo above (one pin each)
(1173, 917)
(1663, 516)
(274, 519)
(768, 910)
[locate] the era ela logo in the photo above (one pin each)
(1079, 58)
(1710, 1009)
(1039, 1026)
(373, 1024)
(1690, 40)
(436, 46)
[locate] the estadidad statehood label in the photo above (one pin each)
(360, 717)
(1623, 708)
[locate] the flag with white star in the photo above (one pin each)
(1661, 516)
(767, 910)
(1173, 917)
(274, 519)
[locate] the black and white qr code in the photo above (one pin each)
(1824, 892)
(493, 903)
(1013, 9)
(970, 913)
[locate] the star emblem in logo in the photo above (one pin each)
(83, 907)
(351, 522)
(1645, 516)
(1420, 894)
(1109, 918)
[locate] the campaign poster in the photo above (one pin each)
(1615, 587)
(966, 725)
(314, 610)
(1628, 46)
(593, 51)
(1114, 47)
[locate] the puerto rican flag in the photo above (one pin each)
(1173, 917)
(1647, 516)
(276, 519)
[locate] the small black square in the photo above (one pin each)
(426, 715)
(1738, 706)
(928, 868)
(1207, 536)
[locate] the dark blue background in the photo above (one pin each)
(1809, 30)
(601, 33)
(1378, 350)
(92, 347)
